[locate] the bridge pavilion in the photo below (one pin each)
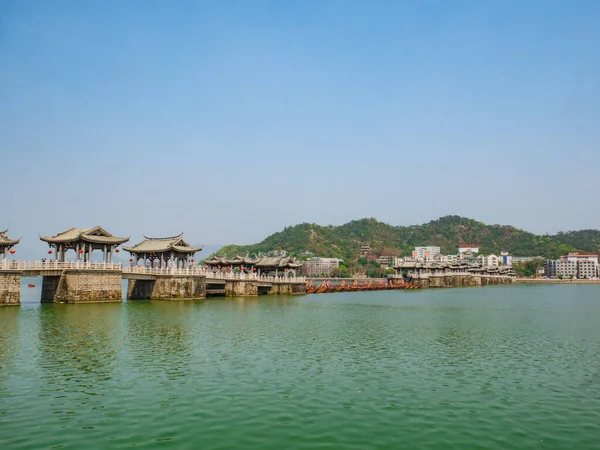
(6, 243)
(84, 242)
(277, 265)
(163, 252)
(242, 262)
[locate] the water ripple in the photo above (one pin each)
(479, 368)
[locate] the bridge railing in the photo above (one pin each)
(57, 265)
(191, 271)
(197, 271)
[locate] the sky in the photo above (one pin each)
(229, 120)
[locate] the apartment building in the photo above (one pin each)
(576, 265)
(320, 266)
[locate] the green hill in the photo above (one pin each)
(448, 232)
(587, 240)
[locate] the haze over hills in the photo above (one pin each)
(447, 232)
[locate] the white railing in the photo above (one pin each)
(57, 265)
(197, 271)
(194, 270)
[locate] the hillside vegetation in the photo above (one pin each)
(448, 232)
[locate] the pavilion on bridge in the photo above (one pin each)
(241, 262)
(84, 242)
(163, 252)
(261, 265)
(6, 244)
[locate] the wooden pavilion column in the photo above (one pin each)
(104, 253)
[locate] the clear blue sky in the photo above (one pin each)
(229, 120)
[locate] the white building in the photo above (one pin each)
(450, 259)
(523, 259)
(424, 252)
(465, 248)
(576, 265)
(488, 261)
(505, 258)
(320, 266)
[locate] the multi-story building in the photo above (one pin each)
(468, 248)
(566, 268)
(488, 261)
(320, 266)
(576, 256)
(505, 259)
(550, 269)
(587, 269)
(450, 259)
(576, 265)
(424, 252)
(522, 259)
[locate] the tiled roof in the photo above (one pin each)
(5, 241)
(162, 245)
(96, 235)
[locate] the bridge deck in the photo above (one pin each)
(57, 268)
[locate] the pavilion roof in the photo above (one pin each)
(218, 260)
(260, 261)
(163, 245)
(5, 241)
(95, 235)
(277, 262)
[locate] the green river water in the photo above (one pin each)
(489, 368)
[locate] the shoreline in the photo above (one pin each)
(554, 281)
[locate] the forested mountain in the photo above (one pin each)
(587, 240)
(448, 232)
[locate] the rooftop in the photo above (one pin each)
(5, 241)
(95, 235)
(163, 245)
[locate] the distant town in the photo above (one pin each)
(573, 265)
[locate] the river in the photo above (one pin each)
(495, 368)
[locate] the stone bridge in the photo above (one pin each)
(84, 282)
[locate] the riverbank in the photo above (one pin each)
(554, 281)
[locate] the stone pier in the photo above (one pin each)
(49, 288)
(167, 287)
(287, 289)
(10, 288)
(448, 280)
(235, 288)
(82, 286)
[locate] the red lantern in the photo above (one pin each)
(12, 251)
(228, 268)
(117, 250)
(254, 269)
(206, 267)
(131, 260)
(49, 252)
(286, 270)
(219, 267)
(298, 270)
(191, 260)
(80, 250)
